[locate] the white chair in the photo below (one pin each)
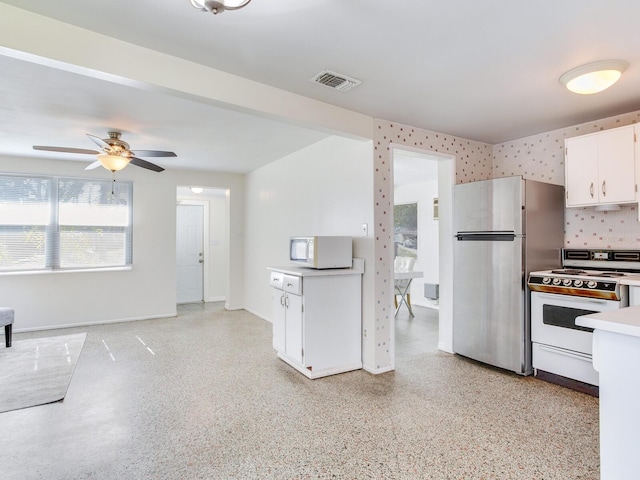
(401, 286)
(6, 320)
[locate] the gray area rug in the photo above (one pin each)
(37, 370)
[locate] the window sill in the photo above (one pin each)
(78, 270)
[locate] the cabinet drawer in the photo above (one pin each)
(277, 280)
(293, 284)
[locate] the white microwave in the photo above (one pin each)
(321, 251)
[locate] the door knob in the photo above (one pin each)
(201, 261)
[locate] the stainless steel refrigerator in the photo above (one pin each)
(504, 229)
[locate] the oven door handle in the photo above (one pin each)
(567, 353)
(581, 299)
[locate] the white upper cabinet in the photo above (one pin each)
(600, 168)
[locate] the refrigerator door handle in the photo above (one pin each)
(486, 236)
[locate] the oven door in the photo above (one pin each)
(553, 320)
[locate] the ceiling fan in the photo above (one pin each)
(115, 153)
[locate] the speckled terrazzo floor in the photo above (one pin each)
(203, 396)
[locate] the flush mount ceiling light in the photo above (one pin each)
(594, 77)
(197, 190)
(219, 6)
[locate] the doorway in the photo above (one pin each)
(189, 253)
(426, 179)
(213, 243)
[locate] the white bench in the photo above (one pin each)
(6, 319)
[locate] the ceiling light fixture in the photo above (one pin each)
(594, 77)
(218, 6)
(114, 163)
(197, 190)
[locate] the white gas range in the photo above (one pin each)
(589, 282)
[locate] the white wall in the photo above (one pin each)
(428, 231)
(148, 289)
(325, 189)
(218, 250)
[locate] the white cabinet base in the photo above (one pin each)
(325, 372)
(317, 319)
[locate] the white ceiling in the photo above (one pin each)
(483, 70)
(46, 106)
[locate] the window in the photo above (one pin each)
(405, 228)
(64, 223)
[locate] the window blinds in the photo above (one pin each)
(64, 223)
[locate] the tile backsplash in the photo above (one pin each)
(587, 228)
(541, 157)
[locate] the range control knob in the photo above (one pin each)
(546, 280)
(577, 283)
(567, 282)
(592, 284)
(557, 281)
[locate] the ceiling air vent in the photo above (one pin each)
(335, 80)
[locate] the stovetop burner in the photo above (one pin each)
(570, 271)
(610, 274)
(588, 273)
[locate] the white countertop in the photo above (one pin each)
(633, 281)
(625, 321)
(356, 269)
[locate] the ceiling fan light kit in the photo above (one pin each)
(218, 6)
(115, 163)
(594, 77)
(116, 153)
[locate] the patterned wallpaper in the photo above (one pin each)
(538, 157)
(541, 157)
(473, 162)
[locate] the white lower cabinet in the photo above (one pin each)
(317, 319)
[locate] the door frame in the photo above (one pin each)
(206, 266)
(446, 182)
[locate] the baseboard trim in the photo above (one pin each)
(215, 299)
(577, 385)
(378, 371)
(258, 315)
(97, 322)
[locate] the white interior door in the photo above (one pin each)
(189, 253)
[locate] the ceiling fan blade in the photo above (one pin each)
(153, 153)
(65, 150)
(138, 162)
(98, 141)
(95, 164)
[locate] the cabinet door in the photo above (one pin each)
(294, 327)
(581, 171)
(616, 166)
(278, 319)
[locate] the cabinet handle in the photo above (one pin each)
(282, 299)
(286, 301)
(604, 189)
(591, 189)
